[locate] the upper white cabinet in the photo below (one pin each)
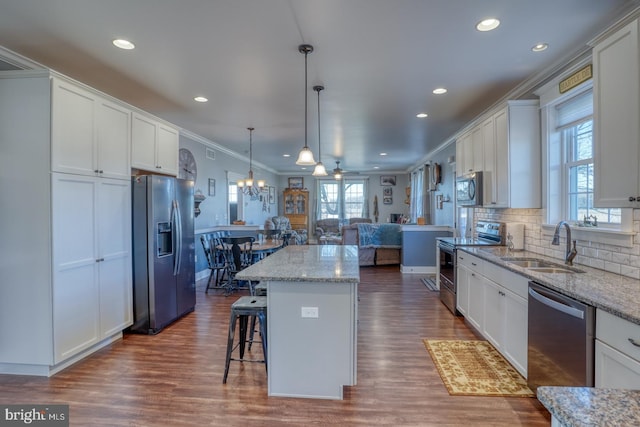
(154, 145)
(512, 156)
(616, 95)
(469, 152)
(90, 135)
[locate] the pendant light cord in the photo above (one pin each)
(306, 53)
(319, 88)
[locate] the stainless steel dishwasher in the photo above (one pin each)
(561, 340)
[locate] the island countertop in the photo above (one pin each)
(307, 263)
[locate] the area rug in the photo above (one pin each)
(430, 283)
(475, 368)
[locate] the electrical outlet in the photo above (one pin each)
(309, 312)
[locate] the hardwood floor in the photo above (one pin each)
(175, 377)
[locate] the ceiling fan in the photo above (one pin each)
(338, 172)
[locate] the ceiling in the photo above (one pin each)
(379, 61)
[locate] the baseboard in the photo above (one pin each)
(416, 269)
(48, 370)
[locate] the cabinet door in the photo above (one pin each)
(616, 95)
(514, 346)
(113, 225)
(73, 144)
(476, 300)
(614, 369)
(477, 148)
(467, 153)
(143, 142)
(489, 169)
(501, 166)
(75, 266)
(462, 294)
(167, 150)
(114, 140)
(494, 319)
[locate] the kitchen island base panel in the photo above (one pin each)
(311, 357)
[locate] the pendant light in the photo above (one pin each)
(305, 158)
(337, 172)
(319, 169)
(248, 184)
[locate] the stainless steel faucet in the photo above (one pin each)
(571, 251)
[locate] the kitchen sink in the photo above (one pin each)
(541, 266)
(561, 270)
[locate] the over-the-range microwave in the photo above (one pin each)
(469, 190)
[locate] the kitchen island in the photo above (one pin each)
(312, 312)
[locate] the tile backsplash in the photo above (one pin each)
(615, 259)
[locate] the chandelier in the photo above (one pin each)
(319, 170)
(248, 185)
(305, 158)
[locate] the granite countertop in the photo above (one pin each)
(617, 294)
(584, 406)
(307, 263)
(416, 227)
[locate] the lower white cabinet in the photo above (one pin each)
(462, 294)
(495, 305)
(505, 323)
(617, 352)
(92, 285)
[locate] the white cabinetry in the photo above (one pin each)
(512, 156)
(469, 152)
(154, 145)
(617, 352)
(469, 278)
(66, 237)
(616, 95)
(496, 306)
(462, 294)
(91, 261)
(90, 135)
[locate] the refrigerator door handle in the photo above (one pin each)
(178, 236)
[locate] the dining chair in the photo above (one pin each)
(238, 255)
(211, 246)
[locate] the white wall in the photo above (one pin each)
(214, 208)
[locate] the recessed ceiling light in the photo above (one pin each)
(540, 47)
(421, 115)
(123, 44)
(488, 24)
(383, 154)
(286, 155)
(376, 167)
(200, 99)
(439, 91)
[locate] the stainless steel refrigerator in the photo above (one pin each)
(163, 251)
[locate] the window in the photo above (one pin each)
(574, 124)
(233, 193)
(342, 199)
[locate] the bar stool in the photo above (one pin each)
(241, 310)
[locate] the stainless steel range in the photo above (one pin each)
(487, 233)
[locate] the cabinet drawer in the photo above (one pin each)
(473, 263)
(618, 332)
(508, 279)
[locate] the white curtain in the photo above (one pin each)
(416, 202)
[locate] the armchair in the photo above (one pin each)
(327, 226)
(282, 223)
